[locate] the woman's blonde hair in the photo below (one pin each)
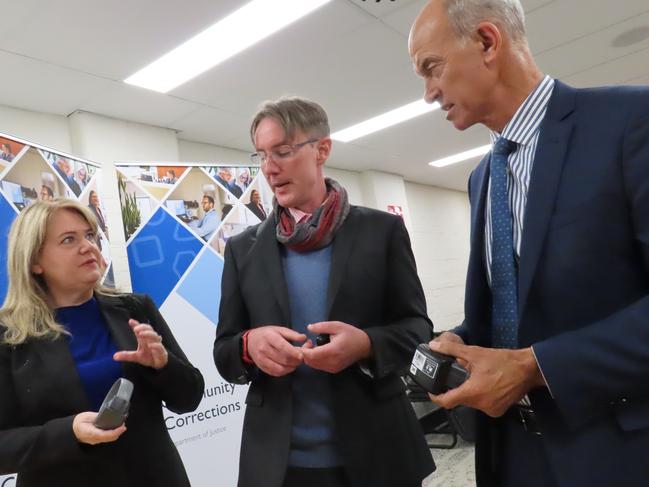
(26, 313)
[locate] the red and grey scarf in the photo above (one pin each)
(319, 230)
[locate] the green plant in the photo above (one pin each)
(130, 211)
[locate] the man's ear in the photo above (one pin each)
(323, 148)
(490, 39)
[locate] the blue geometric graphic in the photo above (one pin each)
(7, 216)
(202, 285)
(159, 255)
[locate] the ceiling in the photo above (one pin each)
(350, 55)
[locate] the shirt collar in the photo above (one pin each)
(526, 121)
(298, 214)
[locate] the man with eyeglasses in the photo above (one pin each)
(206, 226)
(321, 309)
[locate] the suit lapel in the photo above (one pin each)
(552, 147)
(57, 368)
(478, 206)
(477, 290)
(270, 255)
(116, 314)
(342, 248)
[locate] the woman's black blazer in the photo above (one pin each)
(40, 393)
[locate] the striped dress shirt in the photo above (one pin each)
(523, 129)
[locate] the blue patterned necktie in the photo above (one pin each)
(504, 279)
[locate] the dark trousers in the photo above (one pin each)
(315, 477)
(523, 461)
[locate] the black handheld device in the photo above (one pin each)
(436, 372)
(114, 409)
(321, 339)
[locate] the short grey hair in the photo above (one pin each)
(465, 15)
(293, 114)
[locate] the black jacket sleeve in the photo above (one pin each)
(29, 447)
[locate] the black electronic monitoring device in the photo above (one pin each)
(436, 372)
(114, 409)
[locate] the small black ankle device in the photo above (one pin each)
(436, 372)
(114, 409)
(321, 339)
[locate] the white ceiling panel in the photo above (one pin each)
(353, 157)
(112, 38)
(562, 21)
(304, 55)
(349, 55)
(642, 80)
(621, 70)
(582, 54)
(531, 5)
(213, 126)
(402, 19)
(385, 8)
(41, 87)
(139, 105)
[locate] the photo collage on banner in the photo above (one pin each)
(29, 173)
(178, 219)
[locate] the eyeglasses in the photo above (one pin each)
(280, 153)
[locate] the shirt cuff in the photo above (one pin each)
(542, 374)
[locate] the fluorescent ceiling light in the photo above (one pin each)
(250, 24)
(462, 156)
(387, 119)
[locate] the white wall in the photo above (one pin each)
(437, 219)
(48, 130)
(440, 242)
(106, 140)
(351, 181)
(189, 151)
(438, 223)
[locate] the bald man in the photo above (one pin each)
(556, 330)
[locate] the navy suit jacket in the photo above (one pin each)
(583, 285)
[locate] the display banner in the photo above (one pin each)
(177, 220)
(30, 172)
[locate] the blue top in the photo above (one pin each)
(313, 435)
(92, 349)
(206, 227)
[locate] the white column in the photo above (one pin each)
(107, 140)
(381, 189)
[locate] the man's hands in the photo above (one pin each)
(499, 377)
(150, 350)
(271, 350)
(86, 432)
(347, 345)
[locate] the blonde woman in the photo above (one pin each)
(63, 341)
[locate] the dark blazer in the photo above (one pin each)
(373, 284)
(583, 285)
(258, 212)
(99, 216)
(41, 394)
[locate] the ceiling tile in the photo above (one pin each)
(139, 105)
(41, 87)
